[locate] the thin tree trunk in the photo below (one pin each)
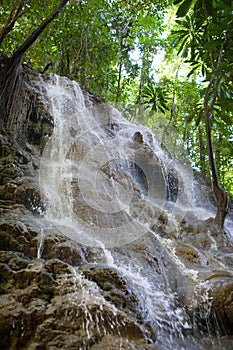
(118, 92)
(144, 73)
(220, 194)
(144, 79)
(201, 149)
(218, 153)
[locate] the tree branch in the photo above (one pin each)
(36, 33)
(14, 15)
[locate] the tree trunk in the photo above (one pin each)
(220, 194)
(118, 92)
(10, 92)
(218, 153)
(201, 150)
(144, 76)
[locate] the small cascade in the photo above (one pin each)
(109, 185)
(159, 304)
(99, 317)
(41, 237)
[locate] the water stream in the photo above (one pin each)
(107, 190)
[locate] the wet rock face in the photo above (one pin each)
(49, 304)
(116, 343)
(46, 302)
(222, 295)
(138, 137)
(58, 294)
(114, 288)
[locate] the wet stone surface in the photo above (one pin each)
(168, 287)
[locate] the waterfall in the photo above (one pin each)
(109, 185)
(96, 177)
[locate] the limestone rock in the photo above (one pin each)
(56, 293)
(221, 293)
(49, 304)
(116, 343)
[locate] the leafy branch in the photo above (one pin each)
(15, 13)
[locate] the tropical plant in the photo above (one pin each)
(209, 53)
(155, 98)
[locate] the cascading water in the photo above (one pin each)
(108, 189)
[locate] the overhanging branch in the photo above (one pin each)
(36, 33)
(14, 15)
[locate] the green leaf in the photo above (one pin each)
(184, 8)
(226, 118)
(203, 70)
(176, 2)
(192, 71)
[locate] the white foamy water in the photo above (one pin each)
(104, 189)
